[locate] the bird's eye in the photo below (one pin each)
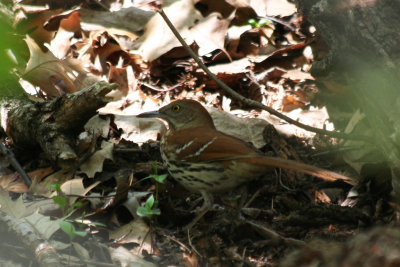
(176, 108)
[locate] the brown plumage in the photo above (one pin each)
(205, 160)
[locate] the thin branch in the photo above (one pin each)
(251, 102)
(13, 161)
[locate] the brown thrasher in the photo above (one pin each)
(205, 160)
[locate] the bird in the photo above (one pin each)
(206, 161)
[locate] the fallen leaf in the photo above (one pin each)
(95, 163)
(13, 183)
(126, 21)
(15, 208)
(47, 71)
(126, 258)
(158, 38)
(98, 126)
(137, 232)
(139, 130)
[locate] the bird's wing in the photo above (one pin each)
(210, 145)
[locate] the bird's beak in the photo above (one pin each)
(150, 114)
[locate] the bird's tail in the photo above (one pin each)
(273, 162)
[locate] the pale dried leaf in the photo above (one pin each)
(44, 225)
(95, 162)
(158, 38)
(139, 130)
(315, 117)
(59, 177)
(126, 258)
(247, 129)
(126, 21)
(133, 202)
(209, 33)
(136, 231)
(278, 8)
(47, 71)
(13, 183)
(98, 126)
(81, 251)
(15, 208)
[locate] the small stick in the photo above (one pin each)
(13, 161)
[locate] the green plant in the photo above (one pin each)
(66, 226)
(69, 229)
(258, 23)
(159, 178)
(149, 209)
(62, 201)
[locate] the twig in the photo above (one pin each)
(13, 161)
(269, 233)
(191, 245)
(255, 195)
(178, 242)
(152, 87)
(251, 102)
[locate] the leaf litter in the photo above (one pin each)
(129, 44)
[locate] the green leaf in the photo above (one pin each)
(160, 178)
(68, 228)
(144, 212)
(55, 187)
(83, 215)
(60, 201)
(78, 204)
(68, 211)
(252, 22)
(156, 211)
(98, 224)
(149, 202)
(81, 233)
(262, 22)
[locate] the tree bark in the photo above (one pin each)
(362, 67)
(53, 126)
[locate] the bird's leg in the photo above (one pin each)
(207, 205)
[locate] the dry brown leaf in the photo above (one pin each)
(39, 174)
(190, 260)
(68, 26)
(290, 102)
(119, 76)
(13, 183)
(32, 21)
(69, 21)
(47, 71)
(95, 162)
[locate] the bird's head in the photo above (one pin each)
(182, 114)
